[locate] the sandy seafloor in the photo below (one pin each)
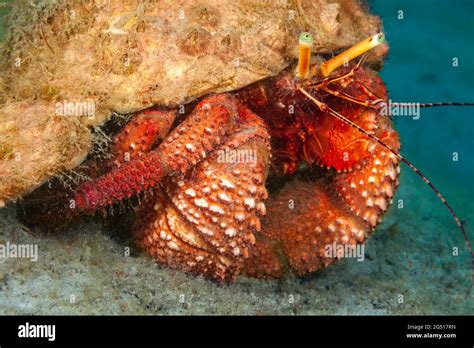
(410, 254)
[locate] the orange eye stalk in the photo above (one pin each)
(362, 47)
(305, 43)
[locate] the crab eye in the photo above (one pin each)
(306, 38)
(381, 37)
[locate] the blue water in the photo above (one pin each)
(419, 69)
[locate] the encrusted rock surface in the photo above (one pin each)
(68, 65)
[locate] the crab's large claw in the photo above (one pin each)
(205, 221)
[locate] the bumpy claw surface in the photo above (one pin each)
(368, 189)
(303, 218)
(204, 221)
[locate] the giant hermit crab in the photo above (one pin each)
(208, 210)
(206, 207)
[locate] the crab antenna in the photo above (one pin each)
(305, 43)
(325, 108)
(430, 105)
(343, 58)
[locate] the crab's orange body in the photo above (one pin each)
(211, 213)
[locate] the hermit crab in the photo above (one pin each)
(258, 180)
(208, 210)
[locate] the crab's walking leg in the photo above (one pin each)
(310, 224)
(205, 222)
(206, 128)
(368, 189)
(304, 221)
(49, 206)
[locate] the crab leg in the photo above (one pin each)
(369, 188)
(206, 128)
(340, 211)
(136, 138)
(141, 134)
(297, 235)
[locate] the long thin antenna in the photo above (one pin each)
(325, 108)
(430, 105)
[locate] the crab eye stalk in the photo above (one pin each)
(358, 49)
(305, 43)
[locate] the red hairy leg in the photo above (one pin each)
(205, 129)
(360, 188)
(41, 207)
(342, 209)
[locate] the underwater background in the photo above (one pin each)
(409, 266)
